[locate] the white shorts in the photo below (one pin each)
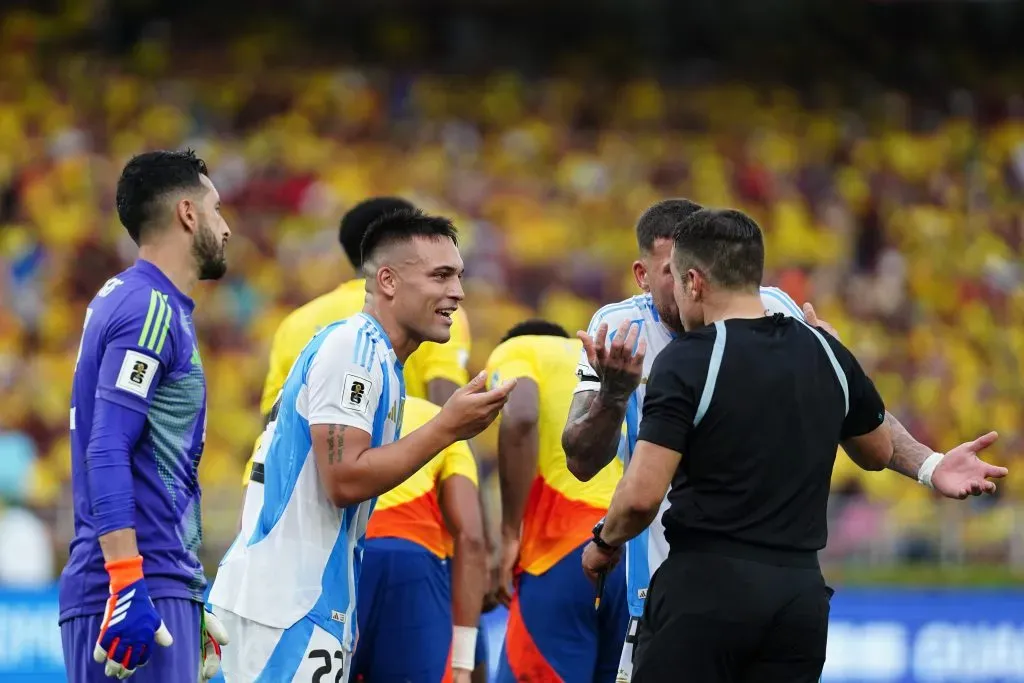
(303, 653)
(625, 674)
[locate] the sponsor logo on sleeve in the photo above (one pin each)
(137, 373)
(356, 389)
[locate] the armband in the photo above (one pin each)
(924, 475)
(464, 648)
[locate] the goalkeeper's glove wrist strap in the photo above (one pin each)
(124, 572)
(464, 648)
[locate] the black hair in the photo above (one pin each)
(535, 327)
(402, 225)
(149, 177)
(659, 221)
(725, 244)
(356, 221)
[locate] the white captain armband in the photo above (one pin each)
(464, 648)
(924, 475)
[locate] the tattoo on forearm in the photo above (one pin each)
(591, 433)
(908, 454)
(335, 440)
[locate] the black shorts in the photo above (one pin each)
(721, 619)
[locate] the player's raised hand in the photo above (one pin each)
(620, 364)
(814, 321)
(130, 623)
(962, 473)
(472, 408)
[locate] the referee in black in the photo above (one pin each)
(741, 424)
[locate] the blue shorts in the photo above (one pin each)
(554, 633)
(405, 601)
(178, 663)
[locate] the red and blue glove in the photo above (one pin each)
(130, 622)
(213, 637)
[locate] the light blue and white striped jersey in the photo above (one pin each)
(298, 555)
(646, 552)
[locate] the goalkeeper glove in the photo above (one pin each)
(213, 637)
(130, 623)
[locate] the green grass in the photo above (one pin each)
(927, 576)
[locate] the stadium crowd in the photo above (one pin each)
(902, 225)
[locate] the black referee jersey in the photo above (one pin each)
(757, 408)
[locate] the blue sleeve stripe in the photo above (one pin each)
(361, 340)
(381, 414)
(717, 351)
(367, 356)
(783, 299)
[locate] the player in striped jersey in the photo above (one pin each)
(648, 321)
(287, 587)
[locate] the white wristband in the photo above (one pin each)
(924, 475)
(464, 648)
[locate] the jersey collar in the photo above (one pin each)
(164, 282)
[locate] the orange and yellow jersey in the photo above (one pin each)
(430, 361)
(561, 511)
(411, 510)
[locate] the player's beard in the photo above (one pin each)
(209, 254)
(670, 316)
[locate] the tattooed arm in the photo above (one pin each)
(592, 431)
(608, 374)
(908, 454)
(351, 471)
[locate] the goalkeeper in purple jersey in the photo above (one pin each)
(132, 591)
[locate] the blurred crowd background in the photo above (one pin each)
(879, 145)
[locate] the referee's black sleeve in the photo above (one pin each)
(673, 390)
(867, 411)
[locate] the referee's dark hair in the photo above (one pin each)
(356, 221)
(535, 327)
(725, 245)
(659, 221)
(404, 225)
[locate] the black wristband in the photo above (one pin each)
(600, 542)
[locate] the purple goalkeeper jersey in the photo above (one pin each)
(139, 352)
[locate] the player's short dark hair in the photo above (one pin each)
(402, 225)
(535, 327)
(149, 177)
(726, 245)
(659, 221)
(356, 221)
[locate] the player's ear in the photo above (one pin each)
(696, 284)
(187, 211)
(387, 280)
(640, 274)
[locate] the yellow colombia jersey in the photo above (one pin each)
(430, 361)
(411, 510)
(561, 511)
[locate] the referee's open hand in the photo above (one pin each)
(471, 409)
(962, 473)
(619, 365)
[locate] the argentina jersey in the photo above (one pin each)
(294, 566)
(646, 552)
